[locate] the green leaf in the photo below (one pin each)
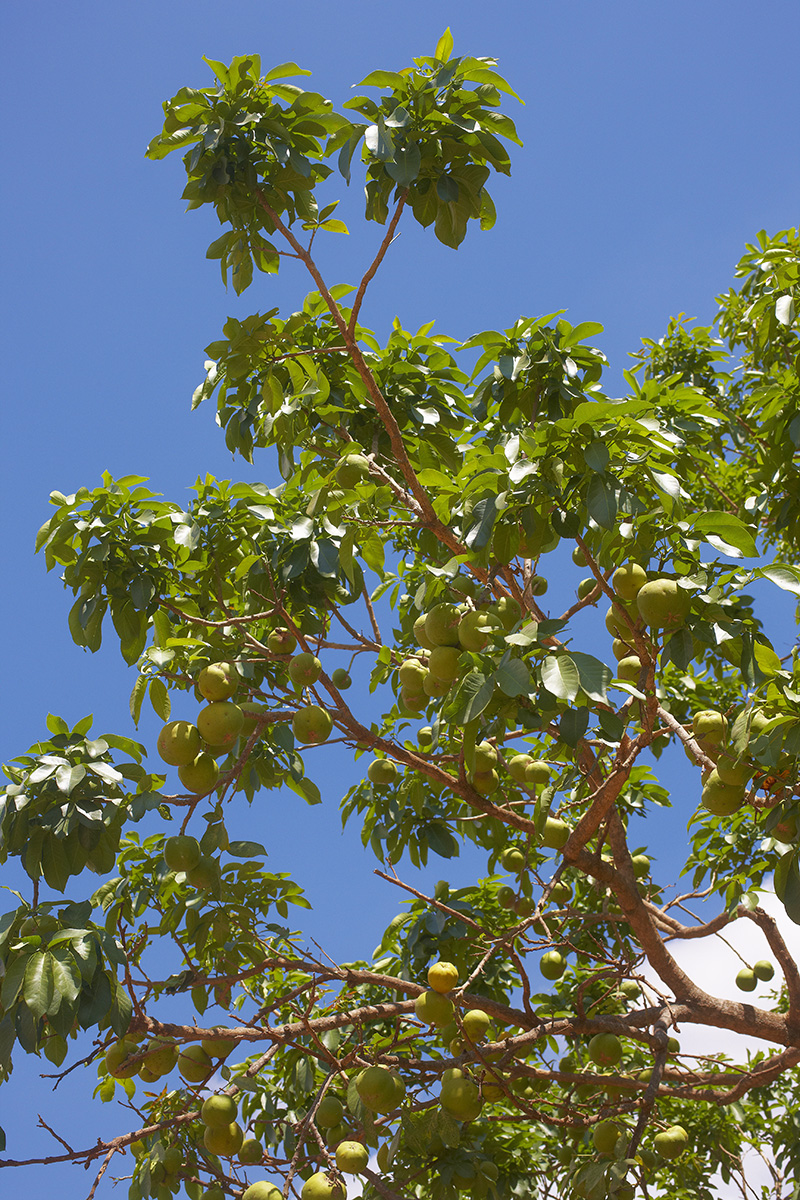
(573, 725)
(594, 675)
(55, 863)
(513, 678)
(482, 519)
(159, 698)
(471, 697)
(444, 46)
(39, 987)
(246, 849)
(596, 456)
(601, 502)
(726, 533)
(137, 696)
(561, 677)
(785, 577)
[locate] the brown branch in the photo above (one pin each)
(376, 262)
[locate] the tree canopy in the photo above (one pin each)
(519, 1036)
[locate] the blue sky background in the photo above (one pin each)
(658, 140)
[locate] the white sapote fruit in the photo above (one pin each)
(263, 1190)
(218, 681)
(352, 1157)
(508, 610)
(441, 624)
(434, 1009)
(420, 635)
(304, 669)
(671, 1142)
(250, 1152)
(312, 724)
(380, 1090)
(442, 976)
(411, 673)
(382, 772)
(555, 833)
(628, 580)
(605, 1136)
(474, 630)
(553, 964)
(281, 641)
(537, 772)
(443, 662)
(763, 970)
(513, 859)
(630, 668)
(746, 980)
(605, 1049)
(517, 765)
(485, 757)
(219, 1110)
(225, 1140)
(178, 743)
(321, 1187)
(194, 1064)
(434, 687)
(708, 725)
(460, 1096)
(351, 470)
(721, 799)
(199, 776)
(475, 1023)
(663, 604)
(181, 852)
(341, 679)
(329, 1112)
(220, 723)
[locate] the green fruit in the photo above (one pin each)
(524, 907)
(708, 725)
(517, 767)
(281, 641)
(485, 757)
(561, 893)
(411, 673)
(513, 860)
(629, 668)
(508, 610)
(435, 688)
(194, 1064)
(605, 1136)
(339, 1133)
(425, 737)
(220, 723)
(553, 964)
(178, 743)
(261, 1190)
(586, 587)
(433, 1008)
(506, 896)
(219, 1111)
(421, 636)
(555, 834)
(763, 970)
(538, 585)
(578, 557)
(352, 469)
(732, 772)
(341, 680)
(414, 701)
(172, 1160)
(673, 1045)
(162, 1055)
(329, 1112)
(671, 1142)
(474, 630)
(442, 976)
(485, 782)
(351, 1157)
(475, 1023)
(312, 724)
(620, 649)
(116, 1060)
(218, 681)
(380, 1090)
(219, 1047)
(616, 624)
(605, 1049)
(537, 772)
(205, 876)
(630, 989)
(199, 776)
(441, 624)
(628, 581)
(322, 1187)
(251, 1152)
(304, 669)
(641, 866)
(460, 1096)
(663, 604)
(746, 980)
(225, 1140)
(443, 662)
(720, 798)
(382, 772)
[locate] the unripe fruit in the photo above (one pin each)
(199, 776)
(475, 1023)
(553, 964)
(218, 681)
(443, 662)
(261, 1190)
(304, 669)
(435, 688)
(517, 766)
(312, 724)
(555, 834)
(732, 772)
(630, 989)
(420, 635)
(460, 1096)
(586, 587)
(506, 896)
(537, 773)
(441, 624)
(251, 1152)
(194, 1064)
(425, 737)
(352, 469)
(161, 1058)
(220, 723)
(524, 907)
(329, 1112)
(218, 1111)
(641, 866)
(411, 673)
(413, 701)
(172, 1160)
(216, 1193)
(434, 1009)
(763, 970)
(616, 624)
(629, 668)
(485, 782)
(720, 798)
(513, 859)
(473, 631)
(225, 1140)
(219, 1047)
(508, 610)
(341, 679)
(538, 585)
(605, 1049)
(442, 976)
(351, 1157)
(281, 641)
(322, 1187)
(628, 581)
(708, 725)
(620, 649)
(671, 1142)
(746, 980)
(178, 743)
(339, 1133)
(605, 1136)
(116, 1060)
(561, 892)
(578, 557)
(380, 1090)
(382, 772)
(485, 757)
(663, 604)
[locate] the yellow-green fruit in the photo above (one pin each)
(216, 1193)
(116, 1060)
(382, 772)
(555, 833)
(352, 469)
(537, 773)
(485, 757)
(553, 964)
(586, 587)
(491, 1090)
(460, 1096)
(604, 1137)
(218, 681)
(225, 1140)
(329, 1112)
(474, 630)
(420, 634)
(671, 1142)
(442, 976)
(578, 557)
(720, 798)
(161, 1057)
(411, 673)
(219, 1047)
(443, 662)
(630, 989)
(322, 1187)
(763, 970)
(641, 866)
(380, 1090)
(732, 772)
(561, 892)
(281, 641)
(475, 1023)
(605, 1049)
(485, 782)
(351, 1157)
(341, 679)
(434, 1009)
(708, 725)
(201, 775)
(538, 585)
(512, 859)
(524, 907)
(219, 1111)
(339, 1133)
(194, 1064)
(441, 624)
(629, 668)
(178, 743)
(251, 1152)
(425, 737)
(616, 624)
(435, 688)
(304, 669)
(262, 1190)
(506, 896)
(205, 876)
(508, 610)
(663, 604)
(746, 980)
(517, 766)
(220, 723)
(413, 701)
(620, 649)
(628, 581)
(312, 724)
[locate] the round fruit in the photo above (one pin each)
(485, 757)
(585, 588)
(460, 1096)
(251, 1152)
(413, 701)
(220, 723)
(411, 673)
(605, 1136)
(341, 680)
(218, 1047)
(720, 798)
(351, 470)
(763, 970)
(537, 772)
(538, 585)
(506, 896)
(517, 766)
(351, 1157)
(304, 669)
(553, 964)
(425, 737)
(380, 1090)
(116, 1060)
(262, 1190)
(442, 976)
(663, 604)
(620, 649)
(441, 624)
(322, 1187)
(339, 1133)
(486, 782)
(216, 1193)
(434, 1009)
(671, 1142)
(474, 629)
(578, 557)
(219, 1111)
(225, 1140)
(561, 892)
(641, 866)
(630, 989)
(218, 681)
(605, 1049)
(708, 725)
(629, 667)
(312, 724)
(512, 859)
(616, 624)
(329, 1112)
(628, 581)
(555, 834)
(524, 907)
(172, 1160)
(199, 776)
(475, 1023)
(434, 687)
(420, 635)
(161, 1057)
(194, 1064)
(178, 743)
(281, 641)
(382, 772)
(444, 664)
(746, 980)
(508, 610)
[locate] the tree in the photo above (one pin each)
(513, 1037)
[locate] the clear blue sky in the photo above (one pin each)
(658, 139)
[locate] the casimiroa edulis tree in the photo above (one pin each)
(520, 1036)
